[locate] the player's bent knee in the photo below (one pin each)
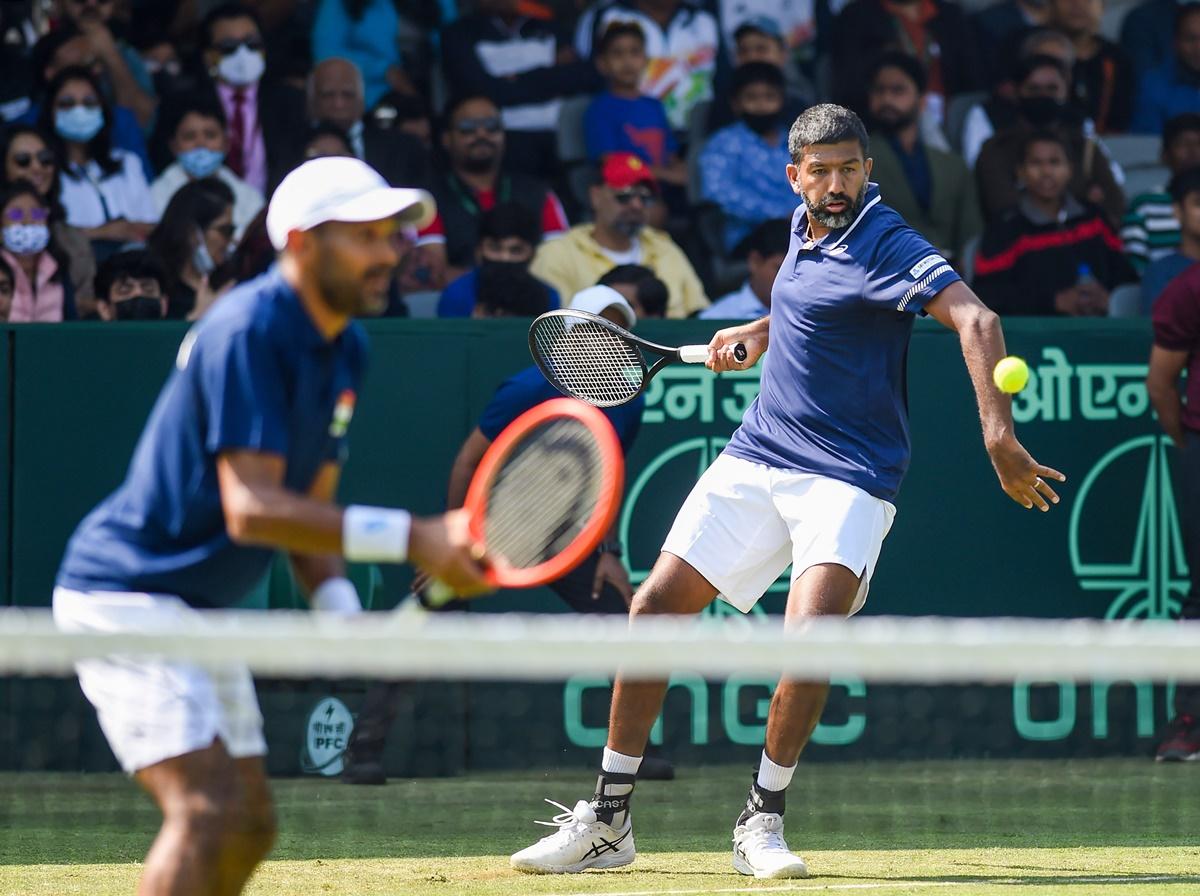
(252, 828)
(205, 819)
(673, 587)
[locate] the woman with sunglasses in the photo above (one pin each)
(191, 241)
(42, 290)
(103, 189)
(26, 155)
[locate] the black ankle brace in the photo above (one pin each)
(762, 800)
(613, 792)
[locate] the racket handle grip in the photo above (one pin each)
(693, 354)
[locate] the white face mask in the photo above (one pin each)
(26, 239)
(242, 67)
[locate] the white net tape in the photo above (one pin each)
(553, 647)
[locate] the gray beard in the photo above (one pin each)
(628, 228)
(842, 219)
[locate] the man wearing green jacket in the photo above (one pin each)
(931, 189)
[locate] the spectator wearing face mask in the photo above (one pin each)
(263, 117)
(930, 189)
(192, 239)
(1103, 81)
(123, 67)
(509, 234)
(1042, 92)
(103, 189)
(742, 166)
(42, 291)
(197, 137)
(65, 47)
(1000, 110)
(27, 155)
(131, 285)
(760, 39)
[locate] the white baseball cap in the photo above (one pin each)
(340, 188)
(597, 298)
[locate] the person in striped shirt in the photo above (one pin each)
(1149, 229)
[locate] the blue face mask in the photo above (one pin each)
(79, 124)
(201, 161)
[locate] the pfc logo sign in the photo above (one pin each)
(326, 736)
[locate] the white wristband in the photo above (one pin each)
(375, 534)
(336, 595)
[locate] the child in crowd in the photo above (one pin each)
(622, 118)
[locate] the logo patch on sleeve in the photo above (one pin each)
(342, 413)
(925, 264)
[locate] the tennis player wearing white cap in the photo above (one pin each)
(240, 458)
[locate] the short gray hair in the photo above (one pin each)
(826, 123)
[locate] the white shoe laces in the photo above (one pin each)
(571, 823)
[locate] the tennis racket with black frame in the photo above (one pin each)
(544, 495)
(590, 358)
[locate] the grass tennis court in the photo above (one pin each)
(975, 828)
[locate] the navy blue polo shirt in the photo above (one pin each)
(833, 397)
(254, 374)
(524, 390)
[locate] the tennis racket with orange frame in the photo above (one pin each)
(544, 495)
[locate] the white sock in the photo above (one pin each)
(619, 763)
(774, 777)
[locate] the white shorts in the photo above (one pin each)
(151, 711)
(743, 523)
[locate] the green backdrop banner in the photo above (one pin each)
(959, 545)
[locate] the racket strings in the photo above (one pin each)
(588, 361)
(544, 494)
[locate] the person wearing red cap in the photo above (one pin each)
(621, 197)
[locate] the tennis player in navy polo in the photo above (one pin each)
(240, 458)
(808, 478)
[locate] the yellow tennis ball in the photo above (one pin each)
(1011, 374)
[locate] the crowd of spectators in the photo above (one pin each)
(563, 139)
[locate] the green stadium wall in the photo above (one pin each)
(73, 399)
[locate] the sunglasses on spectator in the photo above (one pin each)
(45, 158)
(489, 125)
(627, 196)
(17, 215)
(225, 230)
(229, 47)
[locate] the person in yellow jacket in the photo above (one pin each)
(620, 198)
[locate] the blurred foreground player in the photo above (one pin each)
(240, 458)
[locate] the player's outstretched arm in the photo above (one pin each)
(260, 510)
(982, 338)
(754, 336)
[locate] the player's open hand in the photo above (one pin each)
(1023, 478)
(611, 571)
(443, 547)
(720, 348)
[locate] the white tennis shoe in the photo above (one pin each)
(759, 848)
(581, 841)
